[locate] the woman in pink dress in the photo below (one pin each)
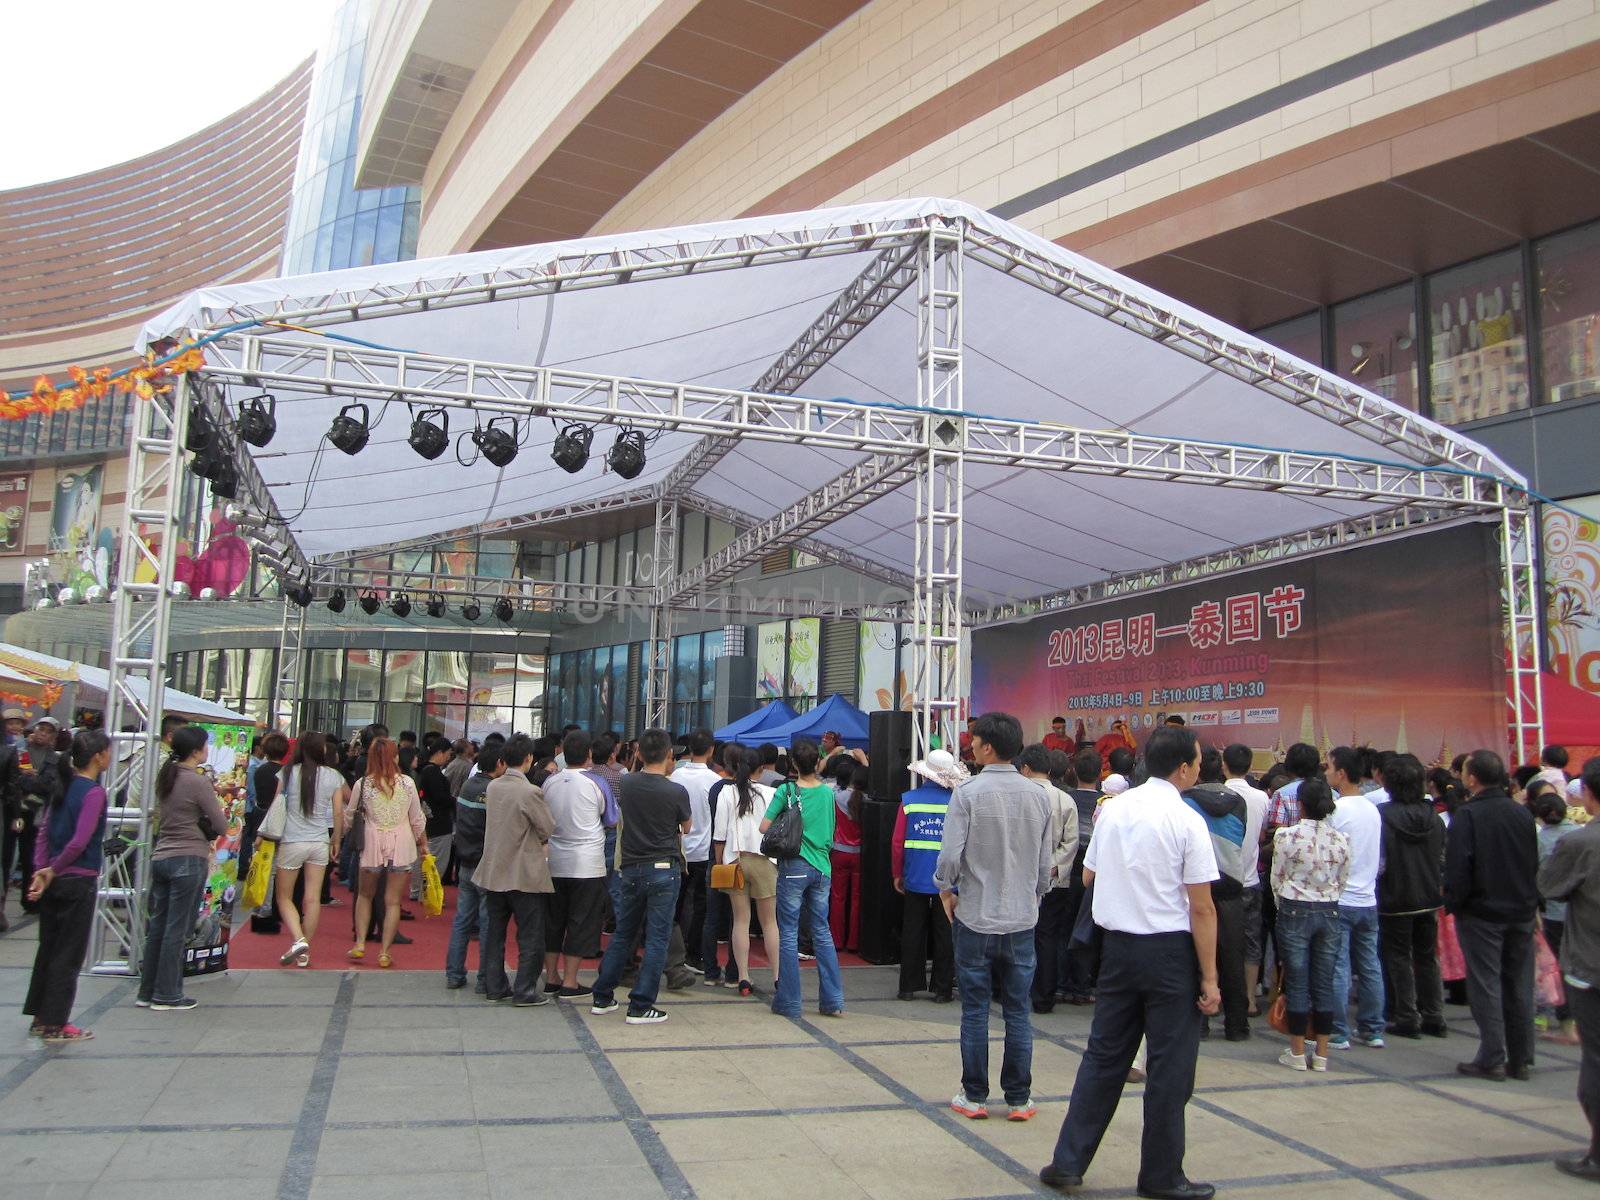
(394, 837)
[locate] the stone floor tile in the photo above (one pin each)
(466, 1185)
(823, 1180)
(245, 1091)
(530, 1148)
(659, 1082)
(400, 1089)
(535, 1085)
(70, 1091)
(809, 1078)
(67, 1157)
(578, 1183)
(379, 1151)
(249, 1154)
(1539, 1179)
(773, 1141)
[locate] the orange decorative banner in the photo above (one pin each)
(144, 380)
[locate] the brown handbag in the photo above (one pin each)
(727, 877)
(1278, 1006)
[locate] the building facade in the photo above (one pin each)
(1401, 191)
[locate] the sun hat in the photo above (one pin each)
(941, 767)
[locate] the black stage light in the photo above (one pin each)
(626, 456)
(503, 610)
(258, 421)
(400, 606)
(471, 611)
(494, 443)
(435, 605)
(347, 433)
(225, 481)
(300, 593)
(571, 449)
(208, 464)
(430, 439)
(336, 601)
(369, 602)
(198, 436)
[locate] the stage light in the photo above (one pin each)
(435, 605)
(348, 433)
(471, 611)
(336, 601)
(626, 456)
(300, 593)
(571, 449)
(503, 609)
(494, 443)
(428, 438)
(198, 436)
(258, 422)
(369, 602)
(400, 606)
(241, 517)
(225, 481)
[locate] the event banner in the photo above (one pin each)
(14, 512)
(1396, 645)
(207, 948)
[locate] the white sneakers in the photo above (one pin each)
(1300, 1062)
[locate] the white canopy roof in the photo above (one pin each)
(1029, 353)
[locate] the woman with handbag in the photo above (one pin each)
(189, 817)
(799, 826)
(68, 855)
(1310, 864)
(301, 815)
(738, 866)
(387, 819)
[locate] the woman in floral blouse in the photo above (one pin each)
(1310, 863)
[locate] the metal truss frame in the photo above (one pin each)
(658, 651)
(1378, 526)
(287, 694)
(141, 617)
(1520, 610)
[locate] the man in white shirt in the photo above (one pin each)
(1358, 819)
(697, 778)
(1151, 866)
(1236, 761)
(577, 851)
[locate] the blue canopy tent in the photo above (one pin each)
(768, 716)
(835, 713)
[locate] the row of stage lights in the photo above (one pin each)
(400, 605)
(351, 429)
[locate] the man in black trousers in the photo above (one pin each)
(1491, 863)
(1152, 865)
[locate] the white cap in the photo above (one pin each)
(1114, 784)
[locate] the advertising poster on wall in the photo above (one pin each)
(14, 512)
(1341, 648)
(805, 656)
(772, 640)
(228, 753)
(882, 687)
(1572, 591)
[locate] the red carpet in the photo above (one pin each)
(430, 937)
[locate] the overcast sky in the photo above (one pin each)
(88, 83)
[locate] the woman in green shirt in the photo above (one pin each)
(804, 881)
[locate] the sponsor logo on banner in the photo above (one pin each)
(1260, 716)
(1231, 716)
(1204, 718)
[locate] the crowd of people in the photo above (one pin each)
(1344, 897)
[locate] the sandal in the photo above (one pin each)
(385, 961)
(356, 952)
(66, 1033)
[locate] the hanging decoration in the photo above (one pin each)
(145, 381)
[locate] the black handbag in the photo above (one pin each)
(784, 836)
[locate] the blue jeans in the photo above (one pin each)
(470, 915)
(800, 885)
(174, 906)
(613, 876)
(649, 900)
(1308, 946)
(976, 956)
(1358, 947)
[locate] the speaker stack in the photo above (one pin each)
(888, 756)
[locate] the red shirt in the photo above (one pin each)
(1059, 741)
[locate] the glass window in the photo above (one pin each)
(322, 669)
(344, 230)
(686, 668)
(402, 675)
(710, 651)
(1375, 344)
(363, 670)
(1301, 337)
(483, 721)
(619, 688)
(1568, 270)
(1477, 322)
(581, 711)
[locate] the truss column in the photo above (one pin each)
(136, 692)
(287, 692)
(1524, 691)
(936, 604)
(658, 651)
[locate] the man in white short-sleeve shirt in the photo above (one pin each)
(1355, 816)
(1151, 866)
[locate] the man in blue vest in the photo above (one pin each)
(918, 834)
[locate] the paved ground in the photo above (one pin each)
(348, 1085)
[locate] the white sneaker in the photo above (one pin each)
(971, 1109)
(1295, 1062)
(1318, 1062)
(601, 1010)
(650, 1016)
(294, 952)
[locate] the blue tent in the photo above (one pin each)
(835, 713)
(768, 716)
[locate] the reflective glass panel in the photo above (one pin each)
(1477, 321)
(1375, 344)
(1568, 269)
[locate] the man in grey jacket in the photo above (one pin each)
(514, 875)
(994, 865)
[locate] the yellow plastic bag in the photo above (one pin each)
(432, 888)
(260, 877)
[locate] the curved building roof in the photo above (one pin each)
(83, 261)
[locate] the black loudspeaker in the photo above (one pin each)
(881, 905)
(888, 755)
